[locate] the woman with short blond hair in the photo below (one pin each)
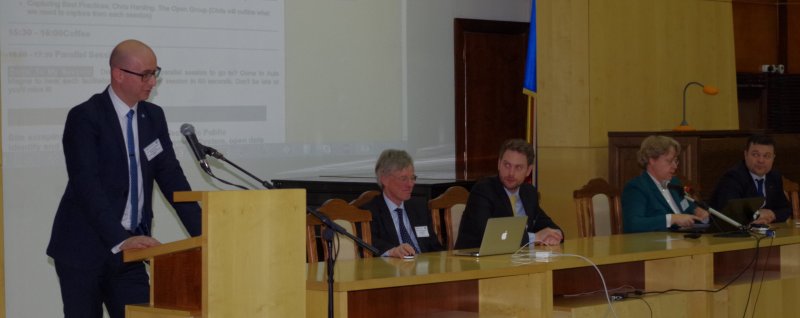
(648, 204)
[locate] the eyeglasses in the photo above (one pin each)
(405, 179)
(674, 161)
(145, 76)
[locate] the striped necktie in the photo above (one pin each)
(404, 236)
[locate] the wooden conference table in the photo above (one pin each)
(443, 285)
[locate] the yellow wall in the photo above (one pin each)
(621, 65)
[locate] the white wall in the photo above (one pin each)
(344, 60)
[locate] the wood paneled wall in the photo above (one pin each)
(793, 38)
(621, 65)
(756, 30)
(767, 32)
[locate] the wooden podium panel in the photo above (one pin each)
(247, 263)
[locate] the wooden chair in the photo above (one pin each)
(364, 198)
(589, 213)
(791, 189)
(451, 204)
(350, 218)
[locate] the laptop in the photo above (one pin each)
(502, 236)
(740, 211)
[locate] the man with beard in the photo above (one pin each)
(507, 194)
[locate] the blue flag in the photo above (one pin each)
(529, 86)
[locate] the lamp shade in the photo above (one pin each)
(710, 90)
(707, 89)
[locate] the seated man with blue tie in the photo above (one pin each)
(754, 177)
(400, 226)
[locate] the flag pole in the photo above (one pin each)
(530, 135)
(529, 88)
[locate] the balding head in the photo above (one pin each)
(128, 50)
(134, 71)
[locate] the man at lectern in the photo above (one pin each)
(115, 145)
(754, 177)
(401, 226)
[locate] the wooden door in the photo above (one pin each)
(490, 105)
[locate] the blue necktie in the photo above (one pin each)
(760, 186)
(404, 236)
(134, 173)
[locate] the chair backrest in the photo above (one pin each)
(598, 204)
(351, 218)
(364, 198)
(791, 189)
(448, 206)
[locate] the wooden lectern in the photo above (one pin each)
(249, 261)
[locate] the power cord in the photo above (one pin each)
(752, 264)
(650, 308)
(763, 272)
(602, 279)
(522, 256)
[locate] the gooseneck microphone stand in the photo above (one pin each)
(327, 233)
(216, 154)
(741, 230)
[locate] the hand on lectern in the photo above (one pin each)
(140, 241)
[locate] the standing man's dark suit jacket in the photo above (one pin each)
(88, 221)
(488, 199)
(737, 183)
(384, 236)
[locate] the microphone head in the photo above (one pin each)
(187, 129)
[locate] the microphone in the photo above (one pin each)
(339, 229)
(199, 150)
(686, 190)
(213, 152)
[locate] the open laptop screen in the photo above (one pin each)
(502, 236)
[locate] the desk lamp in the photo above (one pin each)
(708, 89)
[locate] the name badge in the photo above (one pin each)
(152, 150)
(422, 231)
(684, 205)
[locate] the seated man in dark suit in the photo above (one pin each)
(400, 226)
(507, 194)
(754, 177)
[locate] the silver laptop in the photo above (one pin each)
(502, 236)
